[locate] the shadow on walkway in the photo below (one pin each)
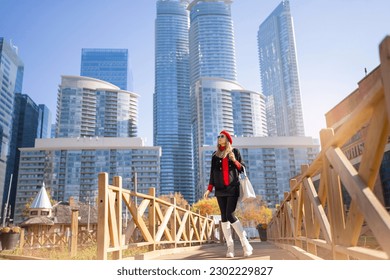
(261, 251)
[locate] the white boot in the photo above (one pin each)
(248, 249)
(227, 232)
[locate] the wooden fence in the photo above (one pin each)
(153, 222)
(313, 216)
(33, 240)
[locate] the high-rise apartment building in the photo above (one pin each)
(11, 80)
(110, 65)
(225, 105)
(69, 167)
(212, 52)
(171, 108)
(279, 73)
(88, 107)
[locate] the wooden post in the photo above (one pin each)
(102, 228)
(75, 231)
(384, 52)
(173, 221)
(335, 202)
(117, 181)
(21, 239)
(188, 225)
(152, 218)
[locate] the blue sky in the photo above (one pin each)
(335, 41)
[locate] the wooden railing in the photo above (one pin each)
(313, 217)
(33, 240)
(43, 240)
(153, 222)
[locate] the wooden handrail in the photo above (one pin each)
(313, 217)
(158, 221)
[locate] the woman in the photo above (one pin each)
(226, 163)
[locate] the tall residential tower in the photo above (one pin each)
(279, 73)
(212, 52)
(171, 101)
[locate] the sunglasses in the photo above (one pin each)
(221, 136)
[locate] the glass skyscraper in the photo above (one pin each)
(28, 121)
(212, 52)
(171, 101)
(90, 107)
(279, 73)
(212, 61)
(109, 65)
(11, 80)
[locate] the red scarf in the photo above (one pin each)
(225, 168)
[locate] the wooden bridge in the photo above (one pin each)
(313, 221)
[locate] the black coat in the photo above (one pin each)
(216, 176)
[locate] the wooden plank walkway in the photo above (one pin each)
(261, 251)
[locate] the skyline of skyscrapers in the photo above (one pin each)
(110, 65)
(196, 92)
(279, 73)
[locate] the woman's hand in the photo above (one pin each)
(206, 194)
(232, 157)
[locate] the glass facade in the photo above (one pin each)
(110, 65)
(24, 133)
(271, 163)
(279, 73)
(220, 104)
(89, 107)
(249, 113)
(171, 101)
(70, 167)
(44, 122)
(11, 79)
(212, 52)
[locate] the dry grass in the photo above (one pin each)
(86, 253)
